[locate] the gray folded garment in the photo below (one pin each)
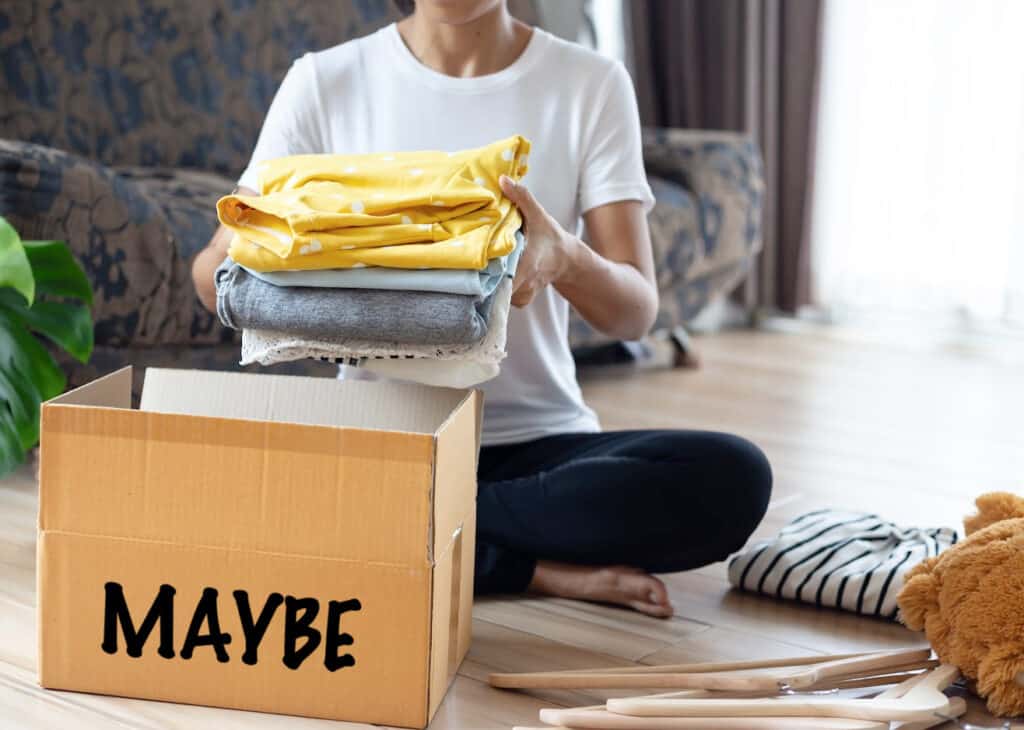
(378, 315)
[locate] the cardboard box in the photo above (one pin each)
(261, 542)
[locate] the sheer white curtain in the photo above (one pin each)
(919, 188)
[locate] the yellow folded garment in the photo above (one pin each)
(404, 210)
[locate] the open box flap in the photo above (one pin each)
(111, 391)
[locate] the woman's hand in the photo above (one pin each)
(609, 280)
(548, 257)
(205, 263)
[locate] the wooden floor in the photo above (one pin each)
(911, 429)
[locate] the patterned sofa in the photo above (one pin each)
(121, 123)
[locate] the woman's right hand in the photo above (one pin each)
(206, 261)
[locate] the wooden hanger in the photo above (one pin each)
(922, 701)
(793, 661)
(597, 718)
(736, 677)
(765, 684)
(601, 720)
(890, 675)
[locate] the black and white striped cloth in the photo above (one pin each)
(848, 560)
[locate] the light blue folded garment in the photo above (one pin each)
(512, 259)
(480, 284)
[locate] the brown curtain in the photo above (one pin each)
(751, 66)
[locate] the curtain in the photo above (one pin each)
(749, 66)
(920, 182)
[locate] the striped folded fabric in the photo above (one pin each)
(848, 560)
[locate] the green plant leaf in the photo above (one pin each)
(22, 401)
(23, 364)
(15, 271)
(10, 455)
(66, 324)
(21, 351)
(28, 372)
(56, 271)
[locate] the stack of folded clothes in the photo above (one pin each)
(401, 263)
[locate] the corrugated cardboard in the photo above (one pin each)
(313, 490)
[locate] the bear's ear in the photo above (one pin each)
(919, 596)
(1001, 680)
(994, 507)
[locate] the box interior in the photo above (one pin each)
(297, 399)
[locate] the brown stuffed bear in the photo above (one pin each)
(970, 602)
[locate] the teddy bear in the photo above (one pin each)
(969, 600)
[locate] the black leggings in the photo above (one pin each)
(663, 501)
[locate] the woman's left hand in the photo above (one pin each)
(548, 256)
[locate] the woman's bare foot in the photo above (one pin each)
(616, 584)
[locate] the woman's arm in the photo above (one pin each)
(290, 128)
(610, 282)
(207, 261)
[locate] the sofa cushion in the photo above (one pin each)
(133, 235)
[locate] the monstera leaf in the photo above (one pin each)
(43, 293)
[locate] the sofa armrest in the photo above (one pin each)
(724, 172)
(123, 233)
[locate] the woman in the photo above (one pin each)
(563, 508)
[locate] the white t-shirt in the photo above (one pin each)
(578, 110)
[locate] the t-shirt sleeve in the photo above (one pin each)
(613, 165)
(291, 126)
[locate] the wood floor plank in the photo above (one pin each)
(473, 705)
(708, 598)
(726, 644)
(499, 649)
(608, 630)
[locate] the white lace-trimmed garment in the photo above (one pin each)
(848, 560)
